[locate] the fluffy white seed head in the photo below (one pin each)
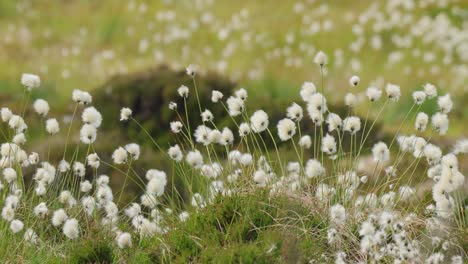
(194, 159)
(393, 92)
(350, 100)
(52, 126)
(354, 80)
(6, 114)
(59, 217)
(119, 156)
(16, 226)
(352, 124)
(88, 134)
(124, 240)
(235, 106)
(373, 94)
(445, 103)
(321, 59)
(41, 107)
(380, 152)
(329, 144)
(419, 97)
(334, 122)
(125, 113)
(133, 150)
(295, 112)
(337, 214)
(430, 90)
(92, 117)
(440, 123)
(314, 169)
(421, 121)
(183, 91)
(305, 142)
(259, 121)
(30, 81)
(71, 228)
(307, 90)
(216, 96)
(81, 97)
(286, 129)
(175, 153)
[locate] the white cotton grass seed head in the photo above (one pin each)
(354, 80)
(373, 94)
(286, 129)
(133, 150)
(430, 90)
(64, 166)
(227, 137)
(19, 139)
(16, 226)
(8, 213)
(314, 169)
(176, 126)
(41, 107)
(93, 161)
(259, 121)
(295, 112)
(85, 186)
(307, 90)
(52, 126)
(350, 100)
(30, 236)
(317, 102)
(30, 81)
(241, 94)
(380, 152)
(440, 123)
(125, 113)
(352, 124)
(337, 214)
(92, 117)
(191, 70)
(9, 174)
(175, 153)
(5, 114)
(329, 145)
(235, 106)
(207, 116)
(71, 229)
(460, 147)
(81, 97)
(202, 134)
(124, 240)
(445, 103)
(244, 129)
(421, 121)
(194, 159)
(183, 91)
(216, 96)
(172, 106)
(419, 97)
(334, 122)
(88, 134)
(393, 92)
(321, 59)
(119, 156)
(157, 182)
(59, 217)
(305, 142)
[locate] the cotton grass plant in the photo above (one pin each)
(379, 213)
